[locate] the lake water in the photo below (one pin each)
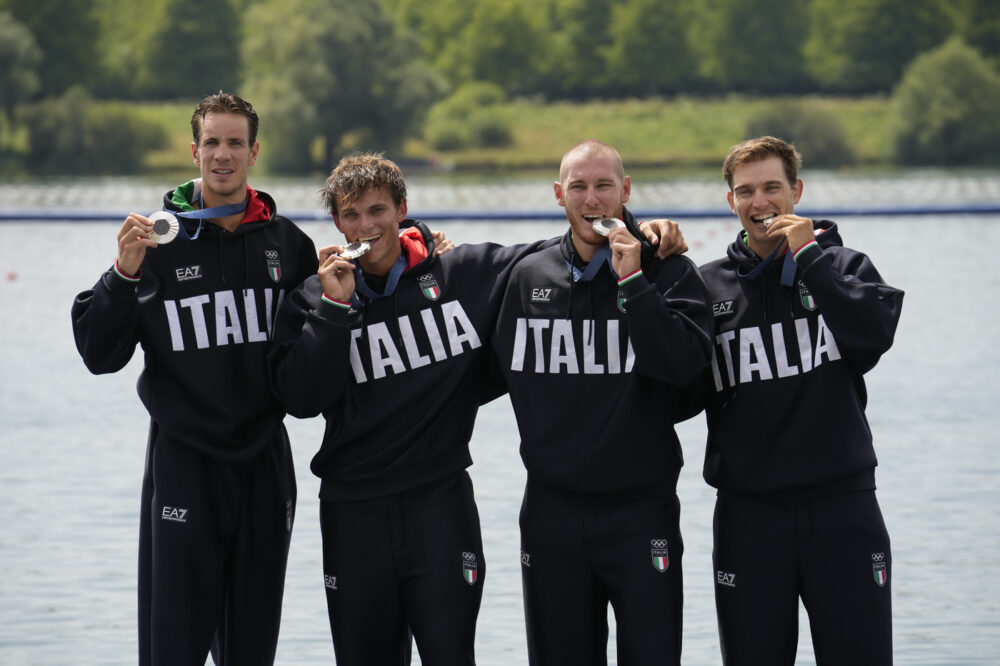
(73, 444)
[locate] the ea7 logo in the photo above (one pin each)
(724, 308)
(541, 295)
(330, 582)
(174, 514)
(725, 578)
(186, 273)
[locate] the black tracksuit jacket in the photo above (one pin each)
(786, 400)
(595, 370)
(400, 378)
(202, 311)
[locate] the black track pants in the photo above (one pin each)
(213, 545)
(579, 553)
(407, 562)
(833, 552)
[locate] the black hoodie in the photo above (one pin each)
(399, 378)
(202, 311)
(595, 368)
(786, 403)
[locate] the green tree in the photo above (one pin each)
(19, 59)
(946, 109)
(193, 50)
(647, 51)
(127, 31)
(504, 44)
(982, 28)
(470, 116)
(863, 46)
(440, 26)
(66, 32)
(577, 42)
(752, 45)
(321, 70)
(815, 131)
(74, 135)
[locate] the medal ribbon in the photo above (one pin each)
(390, 283)
(601, 257)
(788, 268)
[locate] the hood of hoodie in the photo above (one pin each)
(260, 205)
(416, 242)
(746, 259)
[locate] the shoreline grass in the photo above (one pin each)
(655, 133)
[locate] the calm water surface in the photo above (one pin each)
(73, 444)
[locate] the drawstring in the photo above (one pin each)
(601, 257)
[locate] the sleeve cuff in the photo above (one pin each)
(630, 277)
(802, 251)
(335, 303)
(128, 278)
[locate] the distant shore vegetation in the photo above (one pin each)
(500, 84)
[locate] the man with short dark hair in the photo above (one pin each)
(389, 346)
(800, 319)
(218, 495)
(596, 339)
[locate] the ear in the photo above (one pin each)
(253, 152)
(194, 154)
(732, 204)
(560, 198)
(797, 190)
(626, 189)
(401, 211)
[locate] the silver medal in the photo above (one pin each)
(165, 227)
(605, 225)
(356, 249)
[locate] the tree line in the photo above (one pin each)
(323, 69)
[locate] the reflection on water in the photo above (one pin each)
(73, 447)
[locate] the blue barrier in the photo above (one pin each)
(66, 215)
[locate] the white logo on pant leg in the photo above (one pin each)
(526, 559)
(658, 551)
(470, 569)
(330, 582)
(174, 514)
(725, 578)
(879, 570)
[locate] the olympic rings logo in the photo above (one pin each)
(878, 557)
(468, 556)
(658, 543)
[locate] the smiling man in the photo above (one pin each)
(218, 495)
(391, 350)
(800, 319)
(596, 338)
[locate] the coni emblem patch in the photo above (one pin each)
(470, 569)
(658, 551)
(273, 264)
(879, 570)
(429, 286)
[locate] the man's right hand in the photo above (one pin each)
(336, 274)
(133, 239)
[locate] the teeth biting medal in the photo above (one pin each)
(356, 249)
(605, 225)
(165, 227)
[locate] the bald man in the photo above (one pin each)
(595, 339)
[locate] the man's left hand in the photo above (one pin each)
(442, 244)
(667, 235)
